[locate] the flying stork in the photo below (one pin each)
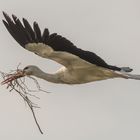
(79, 66)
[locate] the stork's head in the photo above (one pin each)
(31, 70)
(27, 71)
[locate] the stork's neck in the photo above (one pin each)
(48, 77)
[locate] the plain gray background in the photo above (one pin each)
(105, 110)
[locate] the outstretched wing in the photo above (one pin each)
(51, 46)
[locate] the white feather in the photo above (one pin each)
(64, 58)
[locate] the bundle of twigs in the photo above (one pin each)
(15, 81)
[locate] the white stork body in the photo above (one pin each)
(74, 71)
(79, 66)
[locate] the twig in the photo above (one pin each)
(30, 104)
(16, 83)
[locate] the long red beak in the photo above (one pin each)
(12, 77)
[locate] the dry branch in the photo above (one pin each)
(15, 81)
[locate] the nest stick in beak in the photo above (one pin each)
(12, 77)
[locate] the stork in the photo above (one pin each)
(79, 66)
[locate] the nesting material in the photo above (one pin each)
(16, 81)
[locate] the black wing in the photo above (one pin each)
(23, 33)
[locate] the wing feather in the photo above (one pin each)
(61, 48)
(45, 35)
(29, 29)
(37, 32)
(68, 60)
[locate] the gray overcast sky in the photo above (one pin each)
(105, 110)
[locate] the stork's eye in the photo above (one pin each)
(26, 68)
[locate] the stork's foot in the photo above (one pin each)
(126, 69)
